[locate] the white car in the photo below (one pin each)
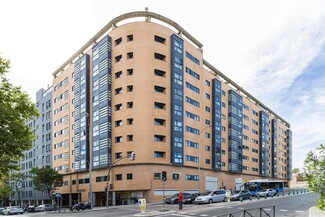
(266, 192)
(44, 207)
(12, 210)
(211, 196)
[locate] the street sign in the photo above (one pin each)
(57, 194)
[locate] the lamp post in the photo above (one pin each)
(132, 158)
(199, 167)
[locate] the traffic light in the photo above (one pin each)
(164, 175)
(132, 156)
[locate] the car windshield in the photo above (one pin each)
(206, 193)
(264, 190)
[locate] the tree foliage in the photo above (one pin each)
(46, 179)
(295, 170)
(17, 181)
(16, 108)
(5, 190)
(315, 172)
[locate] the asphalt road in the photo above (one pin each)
(293, 205)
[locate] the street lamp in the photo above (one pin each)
(199, 168)
(132, 158)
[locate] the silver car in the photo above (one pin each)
(12, 210)
(211, 196)
(266, 192)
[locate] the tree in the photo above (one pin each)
(46, 179)
(16, 108)
(295, 170)
(5, 190)
(315, 172)
(17, 181)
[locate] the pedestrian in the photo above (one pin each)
(180, 201)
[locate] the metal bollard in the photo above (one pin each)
(241, 199)
(258, 197)
(288, 192)
(250, 198)
(265, 196)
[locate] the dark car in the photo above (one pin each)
(191, 198)
(245, 194)
(31, 208)
(174, 198)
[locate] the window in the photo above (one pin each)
(160, 73)
(118, 155)
(192, 116)
(192, 101)
(192, 87)
(129, 138)
(129, 55)
(118, 123)
(159, 105)
(160, 56)
(160, 89)
(207, 108)
(129, 71)
(159, 121)
(118, 58)
(129, 121)
(118, 177)
(118, 139)
(118, 90)
(192, 73)
(207, 95)
(159, 154)
(192, 144)
(189, 56)
(129, 88)
(129, 176)
(156, 175)
(175, 176)
(160, 39)
(207, 83)
(129, 38)
(118, 107)
(159, 138)
(118, 74)
(129, 105)
(118, 41)
(207, 161)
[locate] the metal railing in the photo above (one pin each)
(254, 212)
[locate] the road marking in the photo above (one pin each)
(240, 208)
(204, 215)
(299, 211)
(283, 210)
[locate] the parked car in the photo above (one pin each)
(1, 209)
(31, 208)
(211, 196)
(191, 198)
(12, 210)
(44, 207)
(268, 192)
(174, 198)
(245, 194)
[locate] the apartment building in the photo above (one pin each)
(142, 85)
(41, 152)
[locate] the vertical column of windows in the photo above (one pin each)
(235, 121)
(264, 144)
(177, 100)
(289, 154)
(216, 130)
(81, 112)
(274, 149)
(101, 104)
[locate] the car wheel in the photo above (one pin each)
(225, 199)
(210, 201)
(267, 195)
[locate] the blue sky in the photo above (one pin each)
(273, 49)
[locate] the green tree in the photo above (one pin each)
(46, 179)
(295, 170)
(315, 172)
(16, 108)
(17, 181)
(5, 190)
